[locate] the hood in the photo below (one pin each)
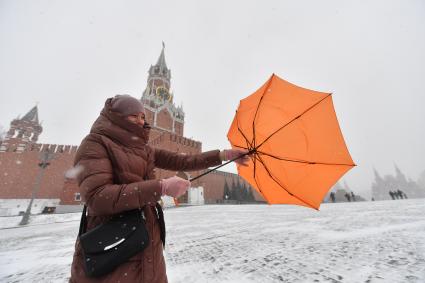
(116, 127)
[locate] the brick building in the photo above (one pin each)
(20, 153)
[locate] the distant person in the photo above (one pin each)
(396, 195)
(392, 195)
(332, 196)
(353, 197)
(118, 175)
(400, 194)
(348, 197)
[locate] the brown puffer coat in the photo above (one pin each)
(118, 175)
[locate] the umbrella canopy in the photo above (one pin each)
(297, 151)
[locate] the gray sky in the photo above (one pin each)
(71, 55)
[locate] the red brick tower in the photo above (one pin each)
(166, 119)
(161, 111)
(23, 132)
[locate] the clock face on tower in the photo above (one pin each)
(163, 93)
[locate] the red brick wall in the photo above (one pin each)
(164, 120)
(178, 128)
(213, 184)
(149, 116)
(69, 189)
(175, 143)
(154, 134)
(19, 171)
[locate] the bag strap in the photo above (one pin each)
(161, 222)
(83, 222)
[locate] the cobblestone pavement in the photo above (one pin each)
(346, 242)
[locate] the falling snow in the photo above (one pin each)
(74, 172)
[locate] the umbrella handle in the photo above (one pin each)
(219, 166)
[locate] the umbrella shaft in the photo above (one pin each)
(219, 166)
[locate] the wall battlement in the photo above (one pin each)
(170, 137)
(39, 147)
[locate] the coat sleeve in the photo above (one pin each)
(174, 161)
(97, 187)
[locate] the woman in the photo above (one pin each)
(117, 174)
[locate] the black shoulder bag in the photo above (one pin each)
(108, 245)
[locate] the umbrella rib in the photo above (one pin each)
(254, 159)
(249, 145)
(240, 146)
(255, 177)
(279, 184)
(305, 111)
(258, 107)
(300, 160)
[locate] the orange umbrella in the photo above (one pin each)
(297, 151)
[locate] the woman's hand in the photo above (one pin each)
(174, 186)
(229, 154)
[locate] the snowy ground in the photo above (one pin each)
(345, 242)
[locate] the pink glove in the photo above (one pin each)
(229, 154)
(174, 186)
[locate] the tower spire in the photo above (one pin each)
(159, 79)
(32, 115)
(161, 60)
(22, 132)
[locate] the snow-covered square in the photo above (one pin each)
(379, 241)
